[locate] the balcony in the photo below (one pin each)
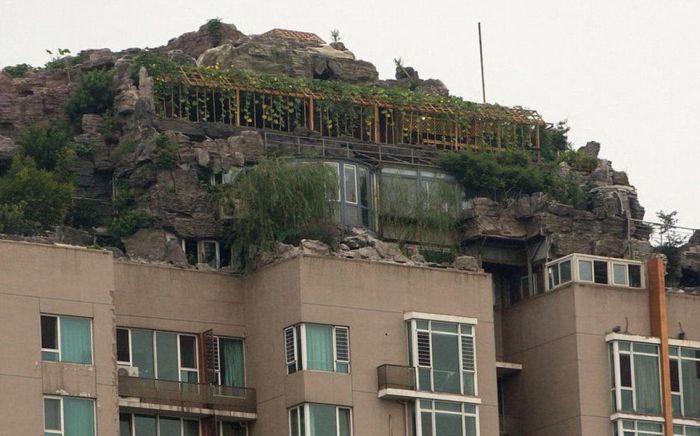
(583, 268)
(398, 382)
(189, 397)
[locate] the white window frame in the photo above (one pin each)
(157, 418)
(296, 361)
(305, 410)
(218, 347)
(680, 358)
(419, 411)
(63, 424)
(301, 356)
(610, 264)
(618, 388)
(58, 338)
(354, 181)
(684, 424)
(454, 320)
(180, 368)
(618, 425)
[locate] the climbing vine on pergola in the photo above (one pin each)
(365, 113)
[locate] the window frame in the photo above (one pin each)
(300, 350)
(131, 353)
(618, 426)
(58, 317)
(419, 410)
(679, 358)
(617, 388)
(353, 167)
(61, 413)
(591, 260)
(218, 348)
(157, 417)
(414, 330)
(180, 368)
(305, 409)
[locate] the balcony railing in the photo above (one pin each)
(396, 377)
(188, 394)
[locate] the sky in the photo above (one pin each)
(623, 73)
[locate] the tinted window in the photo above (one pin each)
(625, 371)
(188, 354)
(635, 276)
(123, 354)
(49, 332)
(600, 272)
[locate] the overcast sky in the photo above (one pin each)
(624, 73)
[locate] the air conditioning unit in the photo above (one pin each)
(130, 371)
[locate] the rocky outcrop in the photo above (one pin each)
(193, 44)
(155, 245)
(690, 261)
(273, 55)
(407, 78)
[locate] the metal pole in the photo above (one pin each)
(481, 57)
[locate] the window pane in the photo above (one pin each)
(676, 405)
(123, 354)
(145, 425)
(294, 421)
(645, 348)
(426, 423)
(166, 346)
(49, 356)
(675, 376)
(600, 272)
(448, 407)
(448, 425)
(585, 270)
(627, 403)
(344, 422)
(619, 274)
(78, 417)
(209, 252)
(76, 340)
(444, 327)
(470, 425)
(646, 380)
(52, 414)
(322, 420)
(350, 184)
(49, 335)
(319, 347)
(469, 388)
(625, 371)
(553, 276)
(424, 379)
(231, 362)
(635, 276)
(446, 363)
(143, 352)
(124, 424)
(363, 177)
(190, 427)
(691, 387)
(188, 351)
(235, 429)
(169, 426)
(565, 271)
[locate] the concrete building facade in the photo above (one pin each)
(324, 346)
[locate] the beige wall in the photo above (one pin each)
(36, 279)
(559, 337)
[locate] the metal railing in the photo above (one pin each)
(309, 146)
(188, 394)
(396, 377)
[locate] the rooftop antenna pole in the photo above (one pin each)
(481, 56)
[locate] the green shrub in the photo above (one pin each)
(126, 146)
(85, 151)
(166, 152)
(554, 141)
(579, 161)
(277, 200)
(153, 62)
(94, 95)
(44, 198)
(17, 71)
(509, 174)
(13, 221)
(128, 222)
(84, 214)
(214, 29)
(49, 147)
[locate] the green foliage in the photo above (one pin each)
(51, 148)
(94, 95)
(13, 221)
(166, 152)
(579, 161)
(555, 141)
(127, 219)
(84, 213)
(510, 173)
(155, 64)
(126, 146)
(85, 151)
(16, 71)
(416, 211)
(669, 243)
(278, 200)
(214, 29)
(335, 35)
(42, 197)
